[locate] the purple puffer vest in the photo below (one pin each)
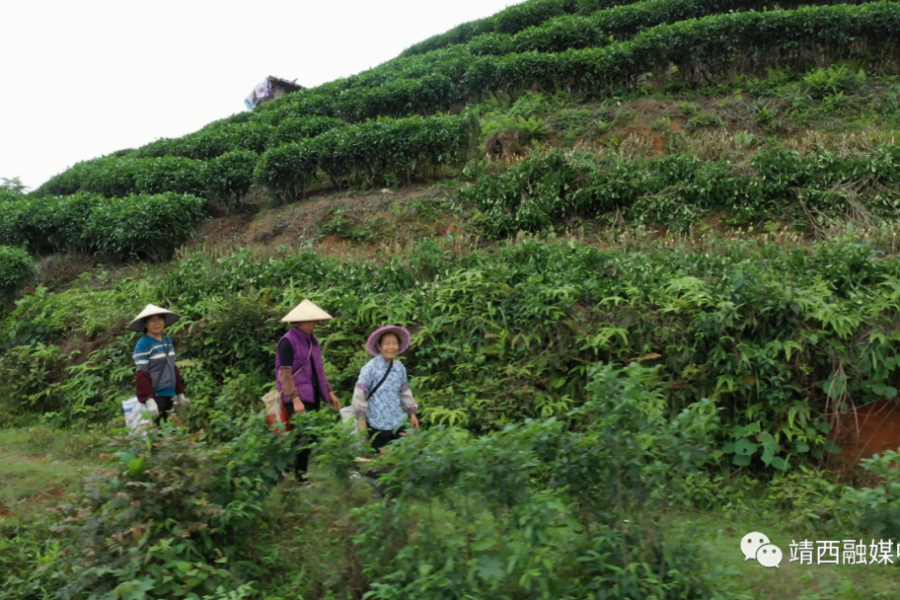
(303, 380)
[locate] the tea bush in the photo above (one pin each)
(701, 50)
(615, 24)
(553, 55)
(287, 170)
(17, 269)
(207, 144)
(295, 129)
(678, 189)
(171, 174)
(511, 20)
(143, 227)
(7, 194)
(230, 176)
(369, 153)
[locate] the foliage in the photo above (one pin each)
(878, 507)
(170, 520)
(17, 269)
(230, 176)
(372, 153)
(143, 226)
(150, 227)
(207, 144)
(294, 129)
(678, 189)
(287, 170)
(511, 20)
(171, 174)
(529, 510)
(773, 334)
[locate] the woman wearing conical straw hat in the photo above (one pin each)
(301, 374)
(158, 382)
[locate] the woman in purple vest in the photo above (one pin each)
(301, 375)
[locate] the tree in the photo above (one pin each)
(15, 184)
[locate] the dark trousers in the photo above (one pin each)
(301, 464)
(379, 438)
(165, 404)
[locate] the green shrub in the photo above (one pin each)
(57, 224)
(150, 227)
(173, 174)
(17, 269)
(287, 170)
(27, 371)
(211, 143)
(240, 333)
(832, 81)
(10, 195)
(230, 176)
(372, 153)
(529, 509)
(108, 176)
(295, 129)
(878, 508)
(678, 189)
(171, 518)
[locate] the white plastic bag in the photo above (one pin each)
(135, 413)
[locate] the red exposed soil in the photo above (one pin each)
(873, 429)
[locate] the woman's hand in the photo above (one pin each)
(361, 425)
(414, 421)
(298, 405)
(335, 401)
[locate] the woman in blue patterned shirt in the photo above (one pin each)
(382, 393)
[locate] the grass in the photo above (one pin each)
(723, 531)
(38, 466)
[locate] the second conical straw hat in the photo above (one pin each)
(306, 311)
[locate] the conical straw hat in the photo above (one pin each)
(306, 311)
(151, 309)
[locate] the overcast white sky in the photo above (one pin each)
(80, 79)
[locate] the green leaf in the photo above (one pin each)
(741, 460)
(491, 567)
(484, 544)
(780, 464)
(801, 447)
(136, 466)
(830, 446)
(745, 447)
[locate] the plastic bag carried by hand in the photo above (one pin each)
(135, 412)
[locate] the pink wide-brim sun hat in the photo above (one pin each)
(402, 334)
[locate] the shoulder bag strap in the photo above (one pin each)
(386, 373)
(308, 356)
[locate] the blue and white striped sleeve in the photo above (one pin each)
(142, 355)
